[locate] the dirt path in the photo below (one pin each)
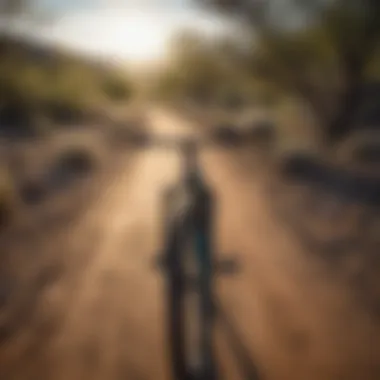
(298, 321)
(104, 317)
(118, 291)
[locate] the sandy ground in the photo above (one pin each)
(102, 316)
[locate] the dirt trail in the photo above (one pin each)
(117, 304)
(108, 304)
(298, 321)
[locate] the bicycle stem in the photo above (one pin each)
(189, 150)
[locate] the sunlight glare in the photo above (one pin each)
(122, 35)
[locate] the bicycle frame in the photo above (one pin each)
(195, 222)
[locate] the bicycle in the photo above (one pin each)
(189, 264)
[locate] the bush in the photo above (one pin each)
(61, 88)
(361, 147)
(63, 112)
(16, 119)
(300, 166)
(116, 90)
(75, 163)
(369, 154)
(71, 165)
(227, 134)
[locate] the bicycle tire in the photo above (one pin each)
(188, 226)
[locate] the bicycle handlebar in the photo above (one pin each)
(187, 144)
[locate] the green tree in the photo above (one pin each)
(204, 70)
(318, 50)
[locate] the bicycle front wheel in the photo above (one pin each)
(191, 314)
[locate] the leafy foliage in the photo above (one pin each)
(323, 53)
(116, 89)
(35, 81)
(207, 72)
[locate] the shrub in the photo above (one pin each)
(369, 154)
(75, 163)
(227, 134)
(116, 89)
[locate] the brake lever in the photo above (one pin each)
(146, 141)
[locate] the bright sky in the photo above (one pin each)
(131, 30)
